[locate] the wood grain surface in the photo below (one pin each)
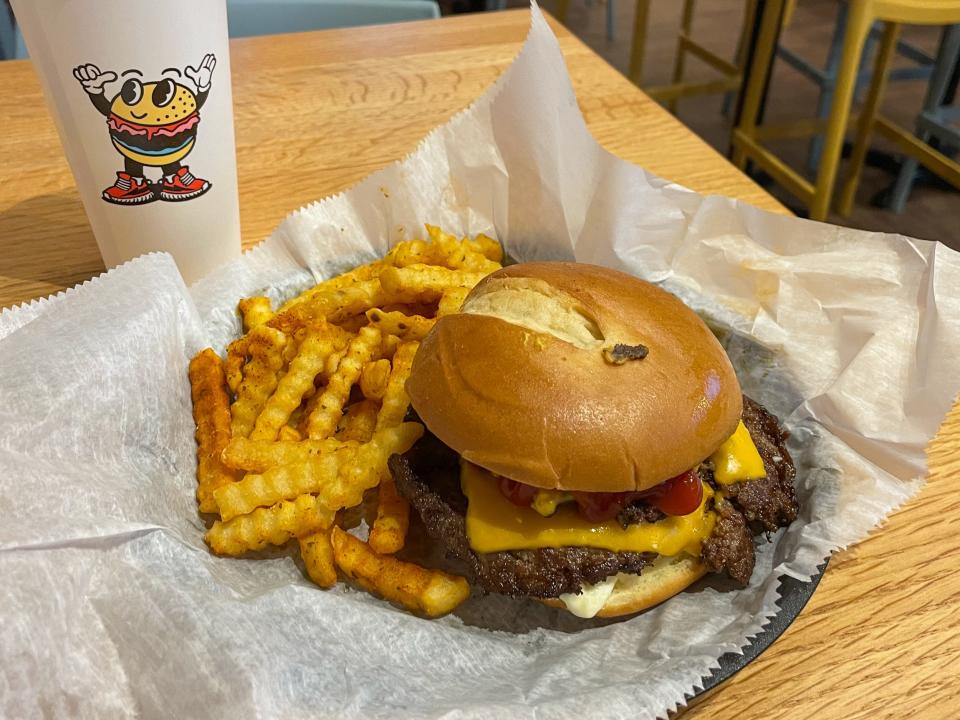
(316, 112)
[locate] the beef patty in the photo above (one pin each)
(429, 477)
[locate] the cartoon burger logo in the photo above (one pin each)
(152, 124)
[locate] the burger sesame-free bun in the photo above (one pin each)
(522, 381)
(658, 582)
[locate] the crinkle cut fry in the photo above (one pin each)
(260, 455)
(406, 327)
(486, 246)
(318, 344)
(374, 378)
(317, 553)
(211, 412)
(281, 482)
(269, 526)
(322, 422)
(395, 401)
(451, 301)
(370, 465)
(460, 254)
(289, 434)
(431, 592)
(337, 305)
(358, 423)
(260, 376)
(340, 478)
(370, 271)
(389, 531)
(236, 357)
(425, 281)
(410, 252)
(255, 311)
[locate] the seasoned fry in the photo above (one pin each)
(406, 327)
(451, 301)
(353, 324)
(317, 553)
(430, 592)
(289, 434)
(339, 477)
(424, 281)
(316, 347)
(410, 252)
(374, 377)
(299, 444)
(369, 271)
(259, 377)
(369, 465)
(460, 255)
(211, 411)
(255, 311)
(260, 455)
(358, 422)
(486, 246)
(269, 526)
(333, 362)
(480, 254)
(389, 530)
(334, 305)
(236, 357)
(324, 418)
(281, 482)
(395, 400)
(389, 346)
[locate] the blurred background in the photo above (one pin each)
(795, 80)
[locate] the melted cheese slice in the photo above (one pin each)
(494, 524)
(737, 458)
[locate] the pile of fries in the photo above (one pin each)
(296, 425)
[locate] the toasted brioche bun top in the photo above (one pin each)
(522, 381)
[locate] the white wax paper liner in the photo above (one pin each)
(111, 606)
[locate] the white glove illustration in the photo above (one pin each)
(201, 75)
(92, 79)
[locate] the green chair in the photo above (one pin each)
(267, 17)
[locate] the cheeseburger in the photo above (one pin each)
(588, 443)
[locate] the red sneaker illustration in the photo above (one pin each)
(129, 190)
(182, 185)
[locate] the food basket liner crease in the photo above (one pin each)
(111, 604)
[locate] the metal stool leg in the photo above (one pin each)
(611, 18)
(639, 42)
(743, 52)
(881, 69)
(947, 57)
(686, 27)
(825, 100)
(858, 25)
(760, 68)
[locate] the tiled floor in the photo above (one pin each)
(932, 213)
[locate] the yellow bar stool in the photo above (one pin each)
(862, 14)
(731, 73)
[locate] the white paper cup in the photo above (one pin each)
(140, 92)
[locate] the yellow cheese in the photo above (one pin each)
(737, 458)
(494, 524)
(546, 502)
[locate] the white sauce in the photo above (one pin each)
(591, 598)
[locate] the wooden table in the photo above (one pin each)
(316, 112)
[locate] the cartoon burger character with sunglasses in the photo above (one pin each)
(152, 124)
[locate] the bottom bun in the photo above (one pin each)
(660, 581)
